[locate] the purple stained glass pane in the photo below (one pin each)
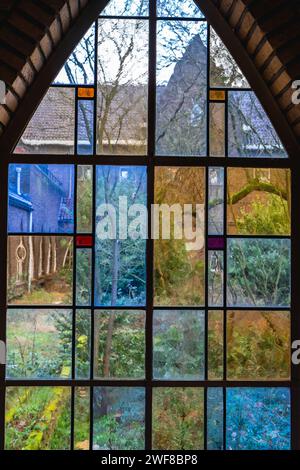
(216, 243)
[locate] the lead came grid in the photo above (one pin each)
(148, 391)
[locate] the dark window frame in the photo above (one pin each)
(151, 162)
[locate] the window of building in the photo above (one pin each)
(166, 343)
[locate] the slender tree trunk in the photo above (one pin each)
(30, 264)
(114, 294)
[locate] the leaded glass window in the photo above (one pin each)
(161, 342)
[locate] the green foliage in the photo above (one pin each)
(215, 345)
(84, 205)
(174, 275)
(41, 421)
(39, 343)
(259, 272)
(83, 277)
(270, 217)
(258, 346)
(125, 353)
(83, 340)
(120, 264)
(178, 349)
(119, 418)
(178, 418)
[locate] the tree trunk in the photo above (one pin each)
(114, 294)
(30, 264)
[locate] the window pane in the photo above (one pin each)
(51, 129)
(217, 95)
(250, 132)
(38, 418)
(83, 344)
(258, 345)
(181, 88)
(80, 67)
(216, 201)
(224, 71)
(215, 278)
(39, 270)
(259, 272)
(215, 419)
(120, 257)
(39, 344)
(119, 344)
(181, 9)
(259, 201)
(126, 8)
(122, 87)
(258, 419)
(119, 418)
(84, 198)
(217, 129)
(85, 127)
(215, 344)
(82, 418)
(178, 418)
(178, 350)
(83, 277)
(179, 262)
(87, 92)
(41, 198)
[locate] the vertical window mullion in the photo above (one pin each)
(3, 272)
(150, 194)
(295, 309)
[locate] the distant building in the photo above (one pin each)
(31, 187)
(181, 116)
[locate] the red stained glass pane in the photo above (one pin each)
(84, 240)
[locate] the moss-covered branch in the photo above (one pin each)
(256, 185)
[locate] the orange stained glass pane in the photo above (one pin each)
(217, 95)
(86, 92)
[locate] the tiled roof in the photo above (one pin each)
(266, 32)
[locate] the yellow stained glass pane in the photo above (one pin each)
(86, 92)
(217, 95)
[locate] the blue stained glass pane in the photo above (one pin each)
(178, 8)
(181, 88)
(79, 69)
(258, 419)
(215, 419)
(250, 131)
(41, 198)
(215, 278)
(126, 8)
(85, 134)
(122, 77)
(216, 202)
(119, 418)
(120, 271)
